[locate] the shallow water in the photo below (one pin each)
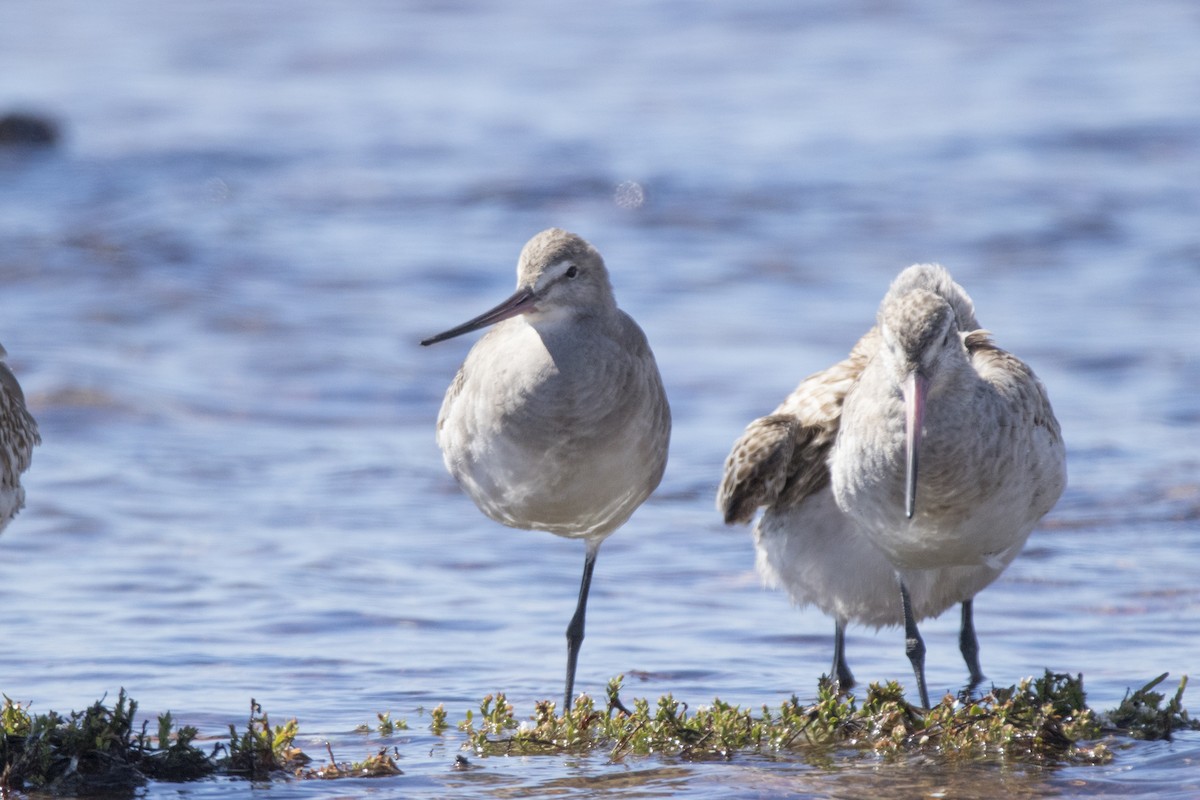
(213, 290)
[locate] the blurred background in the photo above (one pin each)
(214, 275)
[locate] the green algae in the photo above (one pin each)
(1143, 715)
(1039, 720)
(1045, 720)
(96, 750)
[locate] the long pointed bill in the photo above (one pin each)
(914, 406)
(519, 303)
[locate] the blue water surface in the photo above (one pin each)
(212, 291)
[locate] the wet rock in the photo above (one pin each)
(21, 129)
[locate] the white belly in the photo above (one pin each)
(536, 447)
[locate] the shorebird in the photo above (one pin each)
(805, 543)
(557, 420)
(836, 466)
(18, 436)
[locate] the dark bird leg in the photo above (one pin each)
(914, 646)
(575, 629)
(840, 671)
(969, 644)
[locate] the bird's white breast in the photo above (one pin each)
(987, 475)
(557, 434)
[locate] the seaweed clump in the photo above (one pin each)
(263, 752)
(1142, 714)
(101, 750)
(1046, 719)
(97, 750)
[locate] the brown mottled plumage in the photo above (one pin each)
(780, 459)
(18, 436)
(816, 539)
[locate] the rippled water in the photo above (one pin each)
(213, 290)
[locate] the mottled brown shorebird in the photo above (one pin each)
(850, 524)
(18, 436)
(808, 546)
(557, 420)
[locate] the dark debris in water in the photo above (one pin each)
(1046, 720)
(26, 129)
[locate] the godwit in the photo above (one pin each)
(18, 436)
(557, 420)
(836, 467)
(937, 394)
(805, 543)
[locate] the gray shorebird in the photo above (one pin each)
(18, 436)
(557, 420)
(836, 468)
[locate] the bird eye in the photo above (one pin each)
(572, 271)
